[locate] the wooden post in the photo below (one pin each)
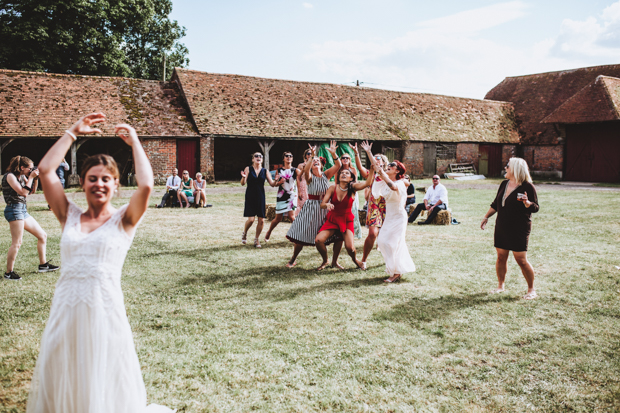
(4, 144)
(74, 178)
(266, 147)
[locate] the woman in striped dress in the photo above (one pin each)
(310, 219)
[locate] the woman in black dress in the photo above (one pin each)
(515, 202)
(255, 176)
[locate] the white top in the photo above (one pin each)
(88, 361)
(435, 194)
(174, 182)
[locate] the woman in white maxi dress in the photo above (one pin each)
(391, 239)
(88, 362)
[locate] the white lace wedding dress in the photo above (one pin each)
(88, 362)
(391, 239)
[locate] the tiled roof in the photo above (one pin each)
(536, 96)
(597, 102)
(42, 104)
(249, 106)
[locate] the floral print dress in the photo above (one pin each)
(287, 192)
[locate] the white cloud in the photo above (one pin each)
(451, 54)
(307, 5)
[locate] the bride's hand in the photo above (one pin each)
(83, 126)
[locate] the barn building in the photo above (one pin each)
(569, 121)
(239, 115)
(37, 107)
(213, 122)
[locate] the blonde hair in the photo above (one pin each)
(520, 170)
(384, 158)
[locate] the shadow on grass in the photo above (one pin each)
(262, 277)
(422, 310)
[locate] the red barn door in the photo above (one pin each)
(187, 156)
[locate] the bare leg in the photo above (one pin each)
(291, 215)
(528, 272)
(273, 224)
(370, 242)
(203, 196)
(319, 242)
(32, 226)
(348, 244)
(337, 249)
(259, 226)
(501, 268)
(17, 234)
(293, 261)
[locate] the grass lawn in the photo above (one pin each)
(221, 327)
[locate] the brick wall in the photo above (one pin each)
(162, 153)
(207, 160)
(508, 151)
(413, 158)
(544, 158)
(467, 153)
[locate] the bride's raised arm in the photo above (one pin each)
(52, 188)
(144, 176)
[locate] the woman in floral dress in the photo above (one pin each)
(287, 192)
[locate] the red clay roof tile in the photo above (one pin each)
(43, 104)
(248, 106)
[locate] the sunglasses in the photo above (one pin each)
(392, 164)
(378, 158)
(435, 179)
(345, 157)
(258, 156)
(185, 173)
(288, 156)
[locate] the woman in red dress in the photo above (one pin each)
(338, 201)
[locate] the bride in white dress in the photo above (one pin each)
(88, 362)
(391, 239)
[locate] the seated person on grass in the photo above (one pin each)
(436, 199)
(172, 185)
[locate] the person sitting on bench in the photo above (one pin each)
(436, 199)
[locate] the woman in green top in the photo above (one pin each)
(185, 189)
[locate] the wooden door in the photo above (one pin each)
(187, 156)
(430, 158)
(490, 161)
(483, 161)
(593, 159)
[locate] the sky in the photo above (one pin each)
(448, 47)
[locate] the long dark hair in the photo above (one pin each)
(350, 189)
(17, 162)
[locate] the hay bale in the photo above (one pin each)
(362, 214)
(444, 217)
(270, 213)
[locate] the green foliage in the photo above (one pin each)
(106, 38)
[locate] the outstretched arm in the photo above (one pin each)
(52, 188)
(144, 176)
(306, 172)
(358, 161)
(358, 186)
(381, 172)
(337, 163)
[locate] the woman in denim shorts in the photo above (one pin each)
(21, 179)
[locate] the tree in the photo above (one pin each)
(91, 37)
